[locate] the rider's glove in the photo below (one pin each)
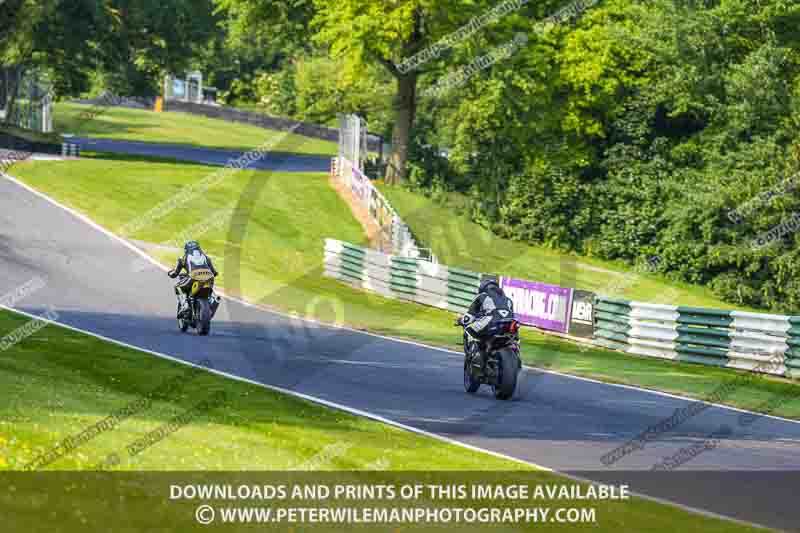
(466, 319)
(172, 274)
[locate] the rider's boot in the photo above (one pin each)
(475, 355)
(183, 305)
(214, 301)
(484, 356)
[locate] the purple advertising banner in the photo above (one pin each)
(539, 304)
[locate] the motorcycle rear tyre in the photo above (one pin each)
(507, 379)
(205, 318)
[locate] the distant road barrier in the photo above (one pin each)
(403, 278)
(755, 342)
(747, 341)
(792, 355)
(11, 142)
(70, 150)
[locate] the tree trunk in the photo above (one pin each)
(13, 77)
(401, 133)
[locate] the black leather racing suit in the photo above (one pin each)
(486, 308)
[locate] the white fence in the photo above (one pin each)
(393, 230)
(403, 278)
(747, 341)
(33, 104)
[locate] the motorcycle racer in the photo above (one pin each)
(192, 258)
(489, 305)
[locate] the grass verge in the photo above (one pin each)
(61, 382)
(460, 242)
(143, 125)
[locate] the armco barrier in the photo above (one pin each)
(403, 278)
(793, 352)
(70, 150)
(747, 341)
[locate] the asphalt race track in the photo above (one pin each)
(278, 161)
(95, 283)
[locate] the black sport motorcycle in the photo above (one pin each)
(503, 363)
(202, 303)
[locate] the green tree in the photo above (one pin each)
(387, 33)
(17, 38)
(324, 89)
(129, 45)
(635, 131)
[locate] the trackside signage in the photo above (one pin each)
(539, 304)
(582, 320)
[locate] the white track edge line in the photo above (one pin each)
(308, 397)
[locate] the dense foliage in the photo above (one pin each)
(87, 46)
(635, 132)
(637, 128)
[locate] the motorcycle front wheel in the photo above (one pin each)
(471, 385)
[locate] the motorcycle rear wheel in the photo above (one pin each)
(205, 318)
(507, 369)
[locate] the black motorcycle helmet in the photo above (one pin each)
(191, 246)
(487, 284)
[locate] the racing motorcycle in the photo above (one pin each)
(203, 303)
(503, 362)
